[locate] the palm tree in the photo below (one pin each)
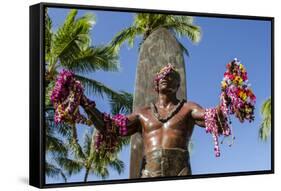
(55, 147)
(87, 158)
(145, 23)
(265, 128)
(70, 48)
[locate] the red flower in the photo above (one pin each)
(231, 77)
(244, 76)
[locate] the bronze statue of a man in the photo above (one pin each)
(166, 127)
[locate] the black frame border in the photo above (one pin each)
(36, 97)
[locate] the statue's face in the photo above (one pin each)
(170, 83)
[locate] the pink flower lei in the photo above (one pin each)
(66, 97)
(163, 72)
(236, 98)
(109, 139)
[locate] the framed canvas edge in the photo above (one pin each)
(39, 151)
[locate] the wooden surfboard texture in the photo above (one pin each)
(159, 49)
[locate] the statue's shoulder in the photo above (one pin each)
(142, 109)
(190, 104)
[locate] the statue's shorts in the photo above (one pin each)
(166, 162)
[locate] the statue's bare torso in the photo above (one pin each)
(175, 133)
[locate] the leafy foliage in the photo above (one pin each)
(70, 48)
(265, 128)
(145, 23)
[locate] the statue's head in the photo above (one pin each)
(167, 79)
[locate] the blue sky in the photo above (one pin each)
(222, 40)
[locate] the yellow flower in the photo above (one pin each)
(244, 97)
(223, 84)
(240, 81)
(241, 94)
(241, 67)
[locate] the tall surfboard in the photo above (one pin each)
(160, 48)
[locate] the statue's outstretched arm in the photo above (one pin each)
(94, 115)
(97, 117)
(197, 114)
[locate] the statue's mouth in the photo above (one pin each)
(164, 82)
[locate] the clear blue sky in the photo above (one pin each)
(222, 40)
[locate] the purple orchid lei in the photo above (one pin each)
(160, 75)
(114, 126)
(66, 98)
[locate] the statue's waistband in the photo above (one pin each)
(167, 153)
(167, 162)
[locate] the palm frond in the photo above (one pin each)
(265, 127)
(61, 128)
(70, 166)
(48, 92)
(87, 145)
(55, 145)
(117, 165)
(126, 34)
(74, 144)
(95, 87)
(48, 34)
(144, 24)
(99, 169)
(121, 103)
(72, 37)
(53, 171)
(92, 59)
(183, 26)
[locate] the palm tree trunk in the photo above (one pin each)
(86, 174)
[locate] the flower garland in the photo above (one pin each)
(109, 139)
(236, 98)
(162, 74)
(66, 98)
(236, 92)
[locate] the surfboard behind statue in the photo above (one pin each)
(159, 49)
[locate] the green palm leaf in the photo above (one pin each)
(48, 35)
(72, 37)
(53, 171)
(117, 165)
(145, 23)
(121, 103)
(70, 47)
(71, 166)
(92, 59)
(265, 128)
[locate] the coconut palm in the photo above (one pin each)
(86, 158)
(70, 48)
(265, 128)
(55, 147)
(145, 23)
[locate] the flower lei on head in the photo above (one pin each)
(163, 72)
(236, 98)
(66, 98)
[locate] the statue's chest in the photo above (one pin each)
(151, 123)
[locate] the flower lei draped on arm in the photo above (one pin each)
(236, 98)
(68, 95)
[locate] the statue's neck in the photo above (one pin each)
(167, 100)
